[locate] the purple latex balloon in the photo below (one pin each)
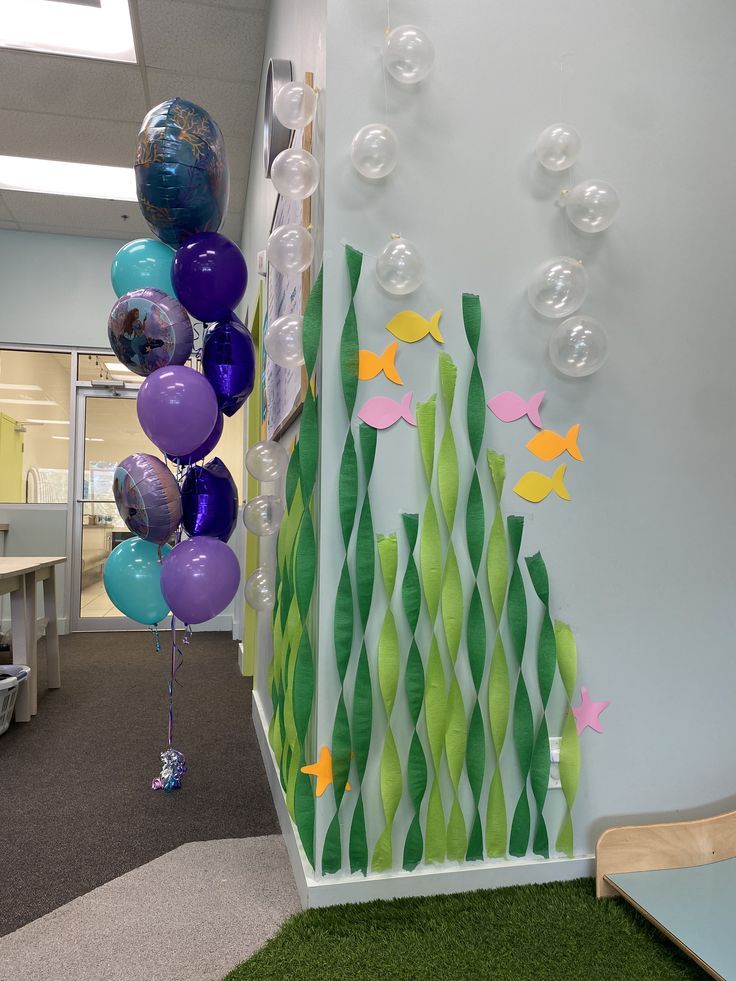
(177, 409)
(209, 275)
(200, 577)
(229, 363)
(209, 500)
(148, 330)
(147, 497)
(205, 449)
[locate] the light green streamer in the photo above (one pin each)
(567, 662)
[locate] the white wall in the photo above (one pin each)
(641, 560)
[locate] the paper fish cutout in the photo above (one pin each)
(535, 486)
(380, 412)
(548, 445)
(370, 364)
(410, 326)
(508, 407)
(322, 770)
(587, 713)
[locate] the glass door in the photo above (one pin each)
(107, 431)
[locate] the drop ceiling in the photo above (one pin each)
(61, 108)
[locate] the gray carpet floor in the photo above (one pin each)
(76, 808)
(191, 915)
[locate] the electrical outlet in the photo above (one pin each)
(554, 757)
(262, 263)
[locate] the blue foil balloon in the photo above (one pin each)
(181, 171)
(229, 364)
(209, 500)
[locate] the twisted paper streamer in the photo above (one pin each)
(452, 613)
(475, 535)
(546, 661)
(416, 770)
(567, 660)
(344, 626)
(365, 568)
(523, 720)
(388, 681)
(435, 692)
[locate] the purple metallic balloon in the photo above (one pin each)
(229, 363)
(149, 330)
(205, 449)
(147, 497)
(200, 577)
(209, 501)
(177, 409)
(209, 275)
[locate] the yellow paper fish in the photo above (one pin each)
(410, 326)
(548, 445)
(370, 364)
(535, 486)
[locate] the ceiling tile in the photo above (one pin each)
(75, 213)
(35, 82)
(99, 141)
(215, 41)
(231, 104)
(5, 214)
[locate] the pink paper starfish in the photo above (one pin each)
(588, 712)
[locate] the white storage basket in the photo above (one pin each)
(17, 675)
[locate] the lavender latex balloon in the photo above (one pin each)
(209, 500)
(147, 497)
(209, 276)
(149, 330)
(205, 449)
(199, 579)
(177, 409)
(229, 363)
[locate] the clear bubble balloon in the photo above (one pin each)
(374, 151)
(295, 105)
(290, 248)
(558, 147)
(262, 515)
(259, 590)
(578, 346)
(284, 341)
(408, 54)
(558, 287)
(267, 461)
(295, 174)
(399, 267)
(592, 205)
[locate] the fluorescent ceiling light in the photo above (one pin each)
(21, 388)
(28, 402)
(72, 179)
(60, 437)
(116, 366)
(46, 422)
(104, 31)
(90, 439)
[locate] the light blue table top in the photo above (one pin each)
(697, 905)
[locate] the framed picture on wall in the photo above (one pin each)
(283, 389)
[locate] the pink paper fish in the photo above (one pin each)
(381, 412)
(508, 407)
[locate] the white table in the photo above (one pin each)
(19, 577)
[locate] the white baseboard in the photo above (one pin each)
(425, 881)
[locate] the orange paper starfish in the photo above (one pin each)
(322, 770)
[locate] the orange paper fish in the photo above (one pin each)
(410, 326)
(548, 445)
(370, 364)
(535, 486)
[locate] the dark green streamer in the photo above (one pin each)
(523, 722)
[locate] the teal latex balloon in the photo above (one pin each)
(132, 577)
(143, 263)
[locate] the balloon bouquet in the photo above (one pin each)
(182, 181)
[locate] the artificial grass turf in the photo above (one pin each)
(557, 931)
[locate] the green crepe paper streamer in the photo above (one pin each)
(390, 796)
(475, 523)
(497, 564)
(312, 329)
(331, 849)
(447, 469)
(388, 642)
(476, 413)
(476, 635)
(476, 764)
(343, 624)
(309, 445)
(430, 548)
(455, 745)
(348, 488)
(570, 743)
(349, 339)
(306, 564)
(546, 661)
(523, 721)
(426, 428)
(416, 770)
(365, 558)
(452, 603)
(435, 701)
